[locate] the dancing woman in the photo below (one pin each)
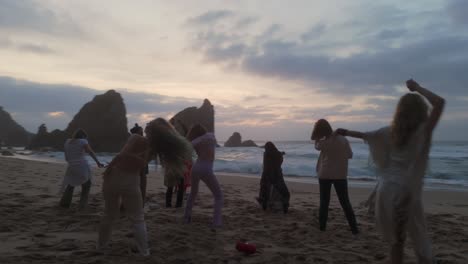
(143, 179)
(78, 170)
(400, 152)
(174, 152)
(122, 184)
(332, 169)
(272, 176)
(204, 144)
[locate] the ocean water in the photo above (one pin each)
(448, 163)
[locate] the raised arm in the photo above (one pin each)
(436, 101)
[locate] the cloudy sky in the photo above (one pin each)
(271, 68)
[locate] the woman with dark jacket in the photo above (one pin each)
(273, 176)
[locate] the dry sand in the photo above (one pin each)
(33, 229)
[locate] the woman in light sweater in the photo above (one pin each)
(332, 169)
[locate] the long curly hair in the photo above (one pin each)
(410, 113)
(166, 142)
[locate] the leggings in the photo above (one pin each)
(341, 188)
(68, 195)
(204, 171)
(180, 194)
(123, 187)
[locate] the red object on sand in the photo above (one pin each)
(187, 176)
(245, 247)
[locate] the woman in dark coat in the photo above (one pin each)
(273, 176)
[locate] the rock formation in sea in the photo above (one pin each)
(248, 143)
(43, 140)
(11, 133)
(104, 120)
(236, 141)
(190, 116)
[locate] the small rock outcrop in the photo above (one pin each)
(11, 133)
(248, 143)
(104, 120)
(236, 141)
(190, 116)
(45, 140)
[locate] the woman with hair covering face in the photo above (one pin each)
(205, 144)
(174, 152)
(272, 176)
(400, 153)
(122, 183)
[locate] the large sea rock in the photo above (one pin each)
(236, 141)
(11, 133)
(104, 120)
(190, 116)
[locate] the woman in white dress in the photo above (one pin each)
(400, 152)
(78, 170)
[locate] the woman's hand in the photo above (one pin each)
(341, 131)
(412, 85)
(99, 164)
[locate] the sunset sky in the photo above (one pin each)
(271, 68)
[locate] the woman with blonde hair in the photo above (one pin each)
(174, 152)
(400, 153)
(122, 184)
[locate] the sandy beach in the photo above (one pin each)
(33, 229)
